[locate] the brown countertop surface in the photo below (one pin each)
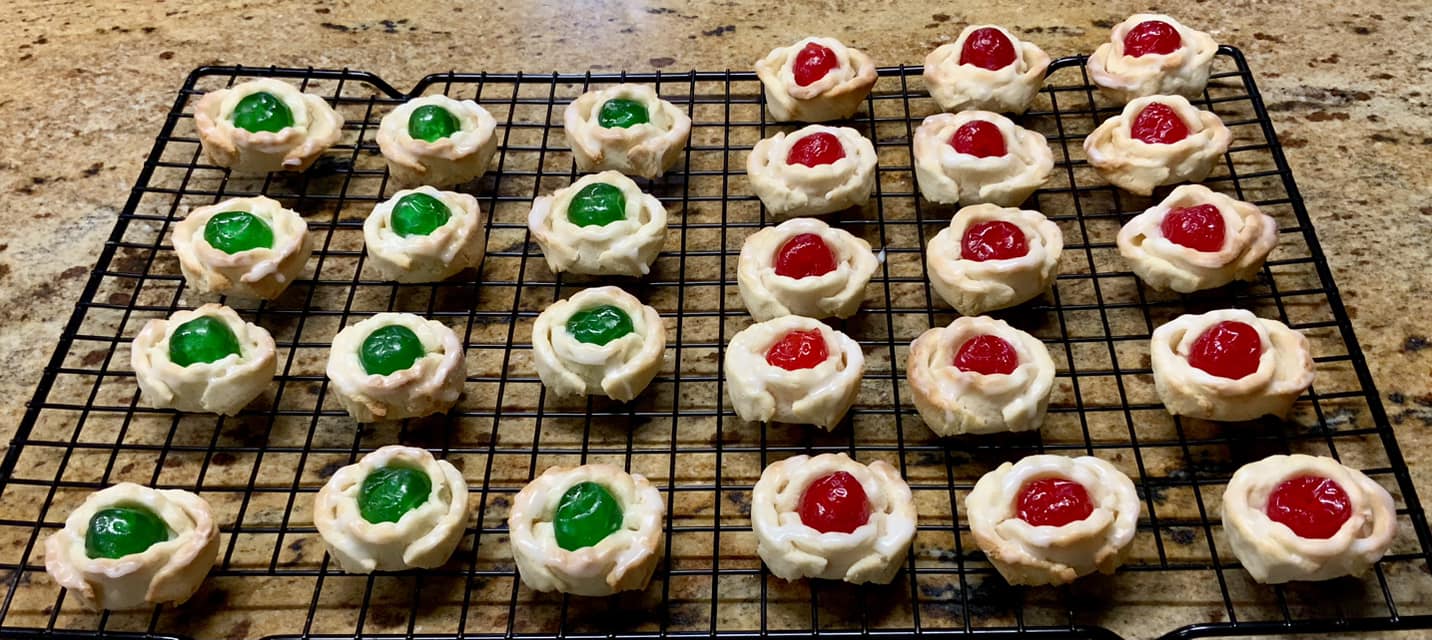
(88, 84)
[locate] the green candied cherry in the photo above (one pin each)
(587, 514)
(236, 231)
(431, 123)
(391, 348)
(419, 214)
(262, 111)
(597, 204)
(390, 492)
(599, 325)
(201, 340)
(623, 113)
(118, 531)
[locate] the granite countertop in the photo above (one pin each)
(88, 84)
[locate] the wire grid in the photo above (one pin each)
(85, 428)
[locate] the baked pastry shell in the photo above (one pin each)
(836, 95)
(624, 247)
(167, 572)
(645, 150)
(623, 561)
(1273, 554)
(820, 395)
(973, 287)
(791, 190)
(261, 273)
(619, 369)
(456, 159)
(424, 537)
(955, 402)
(223, 386)
(948, 176)
(431, 385)
(459, 243)
(1160, 263)
(1183, 72)
(873, 552)
(1026, 554)
(316, 127)
(1285, 370)
(963, 87)
(838, 292)
(1138, 167)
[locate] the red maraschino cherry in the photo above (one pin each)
(804, 256)
(1152, 36)
(1198, 227)
(813, 62)
(1054, 502)
(1158, 124)
(835, 502)
(798, 350)
(1229, 349)
(988, 355)
(980, 139)
(988, 48)
(1312, 507)
(816, 149)
(993, 240)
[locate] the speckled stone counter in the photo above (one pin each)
(88, 84)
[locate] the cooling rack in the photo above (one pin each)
(85, 429)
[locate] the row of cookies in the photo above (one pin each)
(1151, 61)
(595, 530)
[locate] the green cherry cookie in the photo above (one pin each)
(201, 340)
(431, 123)
(236, 231)
(391, 348)
(262, 111)
(118, 531)
(586, 515)
(418, 214)
(599, 325)
(623, 113)
(390, 492)
(597, 204)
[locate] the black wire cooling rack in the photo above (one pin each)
(85, 429)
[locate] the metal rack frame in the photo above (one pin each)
(85, 427)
